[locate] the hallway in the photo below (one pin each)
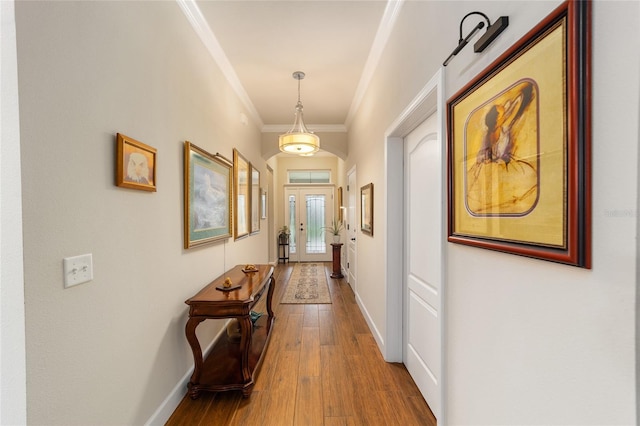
(322, 367)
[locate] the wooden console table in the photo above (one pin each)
(231, 366)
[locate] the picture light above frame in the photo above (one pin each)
(519, 172)
(493, 31)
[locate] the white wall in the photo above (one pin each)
(13, 396)
(528, 341)
(637, 216)
(110, 351)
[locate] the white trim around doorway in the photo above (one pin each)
(428, 101)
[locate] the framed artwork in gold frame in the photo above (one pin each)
(241, 195)
(366, 209)
(340, 207)
(207, 197)
(136, 164)
(255, 200)
(519, 146)
(263, 204)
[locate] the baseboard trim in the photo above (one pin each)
(171, 402)
(372, 326)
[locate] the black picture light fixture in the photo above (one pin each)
(492, 32)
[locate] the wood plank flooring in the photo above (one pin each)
(322, 367)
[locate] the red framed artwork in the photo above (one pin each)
(519, 146)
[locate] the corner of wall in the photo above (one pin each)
(13, 400)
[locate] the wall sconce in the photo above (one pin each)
(492, 32)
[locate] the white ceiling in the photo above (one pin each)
(259, 44)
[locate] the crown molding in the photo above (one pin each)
(387, 23)
(201, 27)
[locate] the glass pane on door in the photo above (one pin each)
(316, 210)
(292, 224)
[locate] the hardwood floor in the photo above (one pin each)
(322, 367)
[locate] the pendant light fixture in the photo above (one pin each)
(299, 140)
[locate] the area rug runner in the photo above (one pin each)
(307, 284)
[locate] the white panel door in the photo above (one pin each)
(352, 227)
(309, 213)
(423, 269)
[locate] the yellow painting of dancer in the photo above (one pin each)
(501, 148)
(509, 149)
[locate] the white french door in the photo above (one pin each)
(309, 212)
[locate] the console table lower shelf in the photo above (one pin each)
(231, 365)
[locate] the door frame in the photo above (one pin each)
(13, 372)
(428, 101)
(351, 216)
(271, 213)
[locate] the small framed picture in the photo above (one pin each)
(366, 209)
(255, 200)
(340, 206)
(242, 180)
(135, 165)
(263, 204)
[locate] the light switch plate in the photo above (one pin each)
(77, 270)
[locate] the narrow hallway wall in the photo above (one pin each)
(111, 350)
(527, 341)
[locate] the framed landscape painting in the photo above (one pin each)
(207, 197)
(519, 146)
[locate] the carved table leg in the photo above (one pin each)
(246, 392)
(190, 331)
(246, 329)
(272, 285)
